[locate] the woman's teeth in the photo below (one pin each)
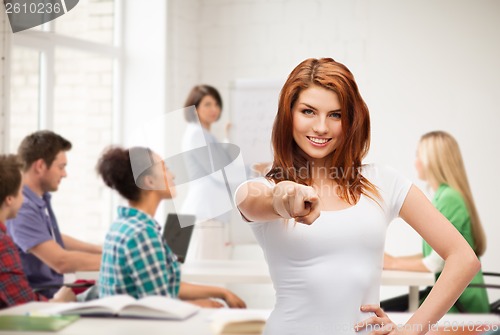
(319, 140)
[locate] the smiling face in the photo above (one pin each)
(317, 125)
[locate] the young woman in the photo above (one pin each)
(439, 162)
(136, 260)
(325, 257)
(210, 239)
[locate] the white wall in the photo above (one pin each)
(420, 65)
(184, 56)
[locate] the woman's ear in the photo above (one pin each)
(149, 183)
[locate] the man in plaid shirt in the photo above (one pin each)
(14, 287)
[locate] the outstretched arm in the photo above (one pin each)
(65, 261)
(431, 263)
(288, 200)
(200, 292)
(405, 263)
(71, 243)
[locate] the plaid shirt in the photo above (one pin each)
(136, 260)
(14, 287)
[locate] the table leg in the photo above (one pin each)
(413, 299)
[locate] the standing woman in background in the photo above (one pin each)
(439, 163)
(210, 239)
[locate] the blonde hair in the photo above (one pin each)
(442, 163)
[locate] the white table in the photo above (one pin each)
(256, 272)
(198, 324)
(412, 279)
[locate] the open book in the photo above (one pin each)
(239, 321)
(156, 307)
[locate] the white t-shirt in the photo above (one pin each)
(324, 272)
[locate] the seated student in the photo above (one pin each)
(136, 260)
(46, 254)
(440, 164)
(14, 287)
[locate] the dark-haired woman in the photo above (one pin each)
(210, 238)
(136, 260)
(325, 254)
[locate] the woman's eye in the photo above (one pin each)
(335, 115)
(308, 111)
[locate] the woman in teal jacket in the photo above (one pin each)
(440, 164)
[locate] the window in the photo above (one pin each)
(64, 78)
(25, 94)
(91, 20)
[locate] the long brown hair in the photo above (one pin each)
(353, 146)
(443, 164)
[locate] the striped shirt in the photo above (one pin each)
(136, 260)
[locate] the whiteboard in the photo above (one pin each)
(253, 107)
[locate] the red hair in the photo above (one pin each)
(353, 144)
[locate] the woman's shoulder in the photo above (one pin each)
(138, 235)
(447, 190)
(390, 183)
(448, 194)
(136, 225)
(452, 205)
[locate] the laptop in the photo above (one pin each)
(178, 238)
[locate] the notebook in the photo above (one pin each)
(35, 323)
(178, 237)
